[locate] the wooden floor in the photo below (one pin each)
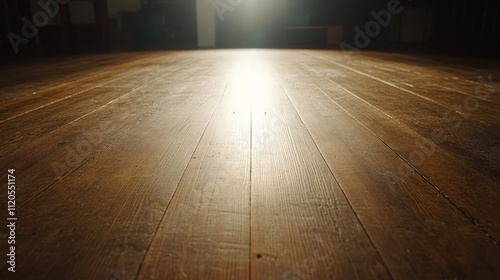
(252, 164)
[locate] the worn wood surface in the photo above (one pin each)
(252, 164)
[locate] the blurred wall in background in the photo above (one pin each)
(465, 27)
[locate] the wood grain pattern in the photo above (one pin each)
(214, 192)
(252, 164)
(427, 153)
(356, 158)
(302, 224)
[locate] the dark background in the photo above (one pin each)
(455, 27)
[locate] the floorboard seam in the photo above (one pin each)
(468, 216)
(72, 95)
(250, 197)
(461, 210)
(340, 187)
(177, 185)
(388, 83)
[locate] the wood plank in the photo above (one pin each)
(478, 103)
(470, 140)
(205, 232)
(114, 198)
(52, 69)
(54, 117)
(464, 70)
(34, 76)
(302, 225)
(459, 74)
(466, 183)
(405, 217)
(23, 104)
(251, 164)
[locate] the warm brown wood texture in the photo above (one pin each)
(252, 164)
